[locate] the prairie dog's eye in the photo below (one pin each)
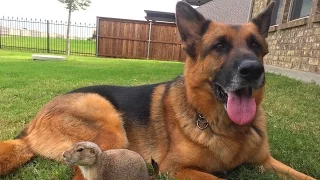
(79, 149)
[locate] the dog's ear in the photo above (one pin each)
(262, 21)
(191, 25)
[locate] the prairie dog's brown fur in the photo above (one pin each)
(115, 164)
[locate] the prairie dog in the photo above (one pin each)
(115, 164)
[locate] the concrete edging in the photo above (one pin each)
(43, 57)
(291, 73)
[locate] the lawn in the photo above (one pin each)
(56, 45)
(292, 107)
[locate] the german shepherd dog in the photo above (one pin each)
(208, 120)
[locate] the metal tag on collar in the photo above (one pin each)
(202, 123)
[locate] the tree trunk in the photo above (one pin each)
(68, 31)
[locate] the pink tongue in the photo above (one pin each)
(241, 107)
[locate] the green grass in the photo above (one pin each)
(56, 45)
(292, 107)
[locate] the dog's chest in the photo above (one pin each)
(234, 152)
(223, 153)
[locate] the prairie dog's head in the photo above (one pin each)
(82, 154)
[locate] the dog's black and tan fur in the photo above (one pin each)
(224, 67)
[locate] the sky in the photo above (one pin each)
(54, 10)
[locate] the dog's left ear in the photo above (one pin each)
(262, 21)
(190, 25)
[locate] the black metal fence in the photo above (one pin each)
(47, 36)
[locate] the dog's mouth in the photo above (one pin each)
(239, 104)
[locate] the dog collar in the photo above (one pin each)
(202, 123)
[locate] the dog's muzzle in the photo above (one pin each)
(235, 89)
(250, 70)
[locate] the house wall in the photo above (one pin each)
(227, 11)
(294, 44)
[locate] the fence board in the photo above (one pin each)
(129, 39)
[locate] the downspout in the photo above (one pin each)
(251, 11)
(149, 40)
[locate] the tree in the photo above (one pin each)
(71, 6)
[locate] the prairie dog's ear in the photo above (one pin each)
(262, 20)
(191, 25)
(92, 152)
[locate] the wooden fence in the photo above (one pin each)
(138, 39)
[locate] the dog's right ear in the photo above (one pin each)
(191, 25)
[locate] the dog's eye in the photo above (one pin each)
(79, 149)
(221, 47)
(255, 44)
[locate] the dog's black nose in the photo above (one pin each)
(250, 69)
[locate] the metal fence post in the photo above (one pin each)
(48, 37)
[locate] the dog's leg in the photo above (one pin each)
(283, 170)
(192, 174)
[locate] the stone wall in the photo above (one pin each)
(294, 44)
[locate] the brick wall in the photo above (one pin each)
(294, 44)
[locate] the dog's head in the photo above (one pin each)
(224, 65)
